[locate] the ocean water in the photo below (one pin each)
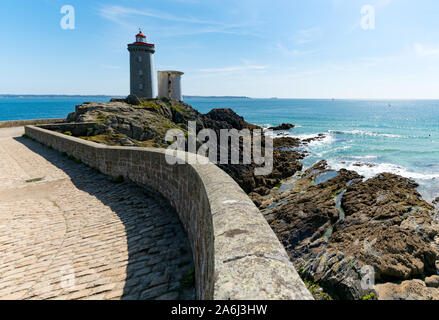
(367, 136)
(370, 137)
(41, 107)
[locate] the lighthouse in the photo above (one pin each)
(141, 67)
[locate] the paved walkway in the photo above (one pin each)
(67, 232)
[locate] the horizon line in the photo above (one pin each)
(211, 96)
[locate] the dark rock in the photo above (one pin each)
(382, 223)
(132, 99)
(319, 137)
(286, 143)
(145, 123)
(283, 127)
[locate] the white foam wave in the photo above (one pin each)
(319, 139)
(369, 170)
(364, 157)
(366, 133)
(328, 139)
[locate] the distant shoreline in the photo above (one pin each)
(210, 97)
(55, 95)
(217, 97)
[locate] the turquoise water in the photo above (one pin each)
(41, 107)
(381, 136)
(369, 137)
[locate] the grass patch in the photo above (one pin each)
(34, 180)
(101, 118)
(70, 157)
(118, 179)
(68, 133)
(370, 296)
(189, 279)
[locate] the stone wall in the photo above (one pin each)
(235, 252)
(76, 129)
(20, 123)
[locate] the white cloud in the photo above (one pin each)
(179, 25)
(305, 36)
(422, 51)
(233, 69)
(293, 52)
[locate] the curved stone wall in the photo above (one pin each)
(235, 252)
(19, 123)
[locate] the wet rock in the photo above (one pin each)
(319, 137)
(309, 211)
(392, 233)
(340, 276)
(381, 224)
(286, 142)
(282, 127)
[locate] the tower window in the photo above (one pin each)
(139, 58)
(140, 73)
(141, 86)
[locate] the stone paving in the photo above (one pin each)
(68, 232)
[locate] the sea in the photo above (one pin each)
(368, 136)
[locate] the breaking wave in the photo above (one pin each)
(370, 169)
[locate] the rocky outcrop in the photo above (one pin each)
(145, 123)
(389, 227)
(340, 231)
(432, 282)
(337, 228)
(283, 127)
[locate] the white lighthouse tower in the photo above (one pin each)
(170, 85)
(141, 67)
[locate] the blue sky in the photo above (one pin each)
(257, 48)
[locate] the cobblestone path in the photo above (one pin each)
(67, 232)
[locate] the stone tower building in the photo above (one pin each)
(170, 84)
(141, 67)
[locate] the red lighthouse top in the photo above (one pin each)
(141, 39)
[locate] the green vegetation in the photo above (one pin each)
(68, 133)
(317, 291)
(101, 118)
(189, 279)
(25, 136)
(370, 296)
(97, 170)
(34, 180)
(118, 179)
(70, 157)
(179, 109)
(148, 105)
